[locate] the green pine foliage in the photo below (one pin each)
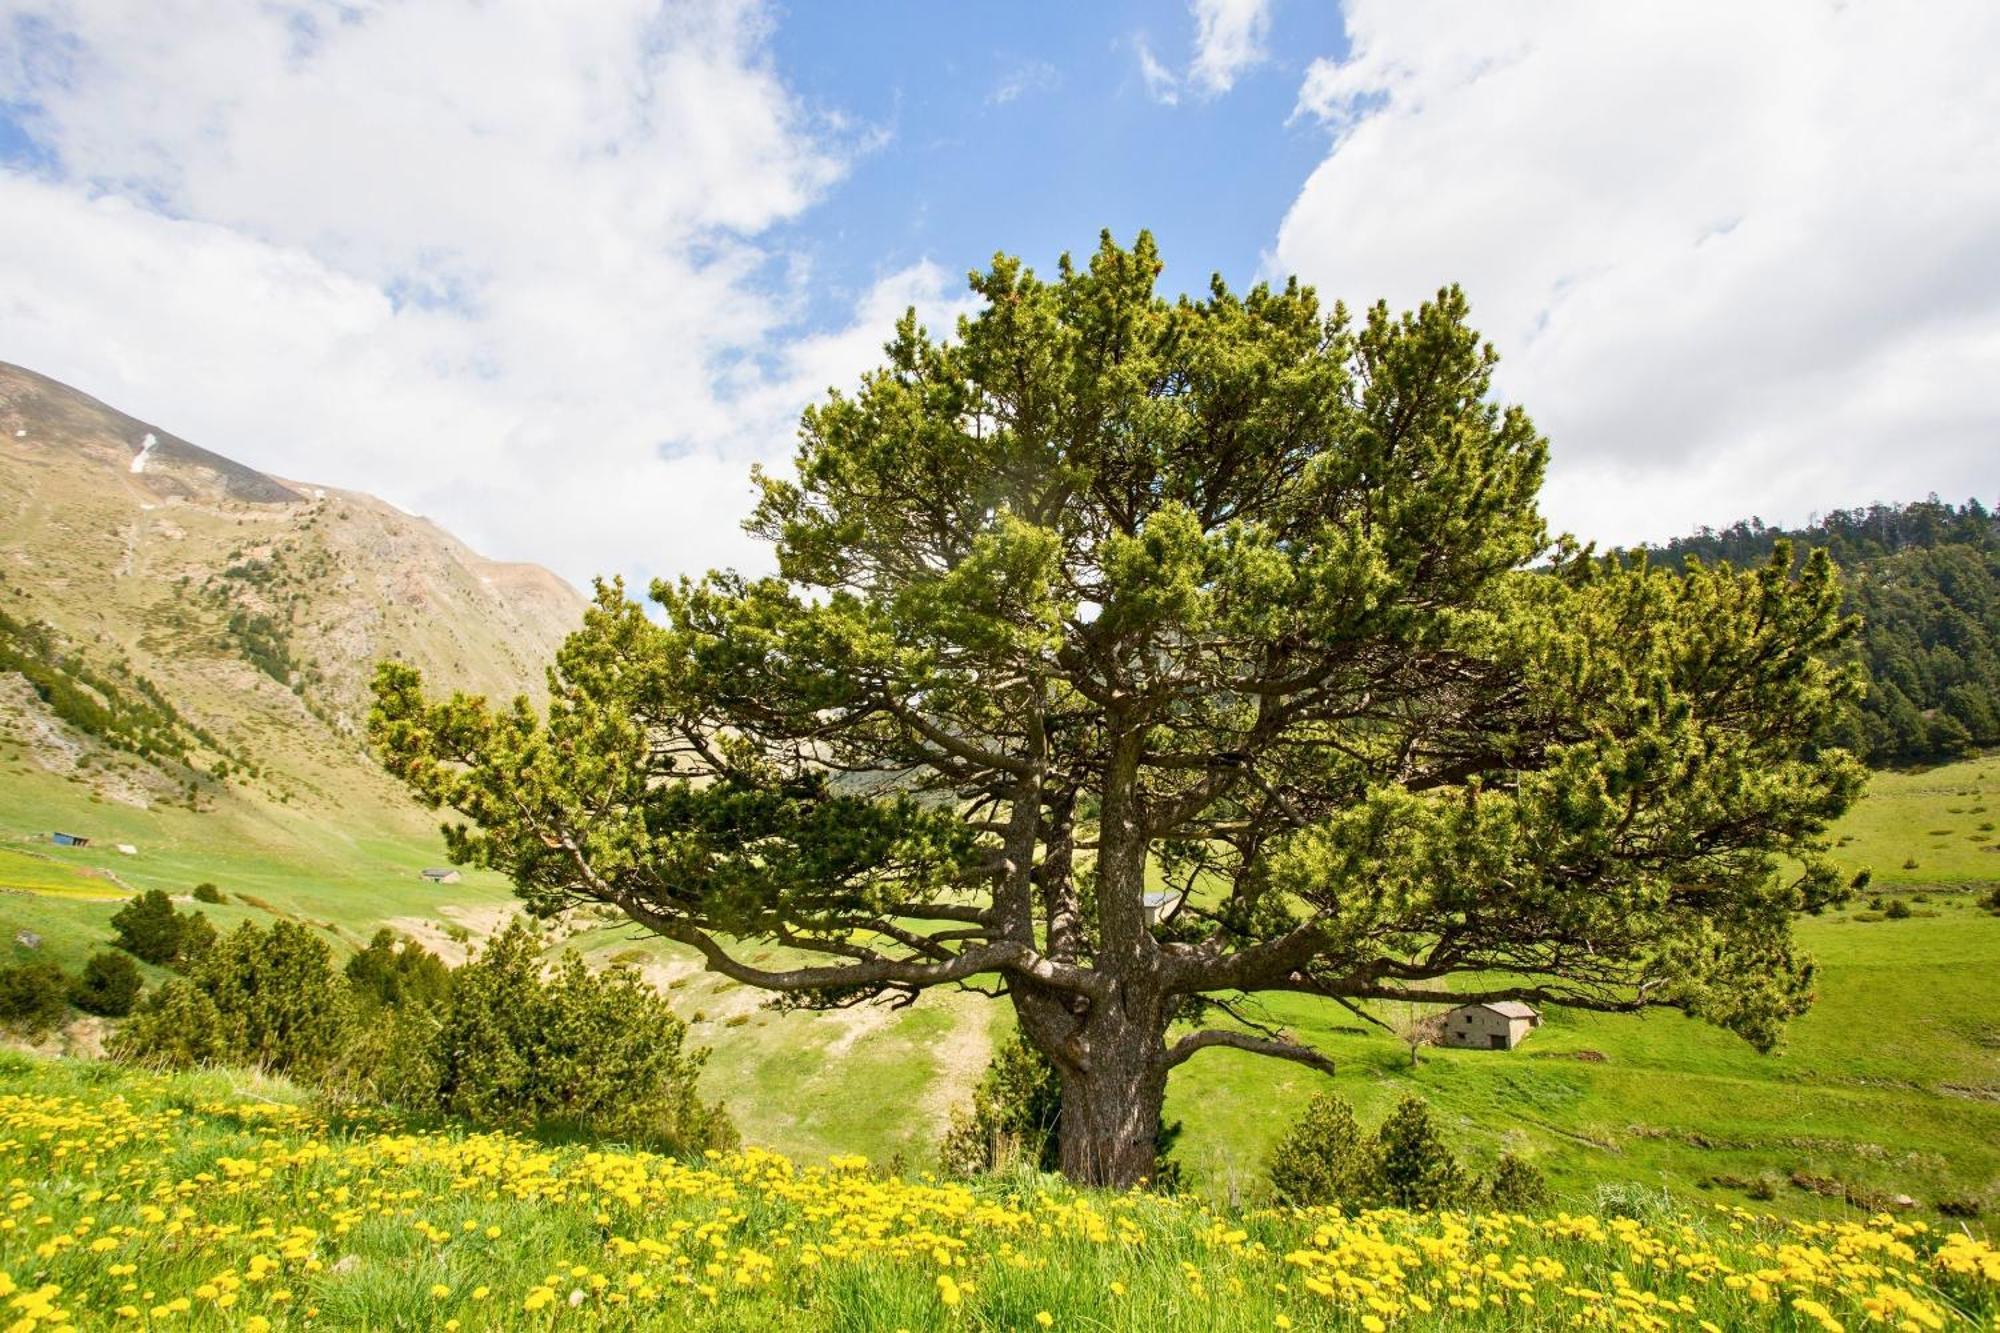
(34, 999)
(108, 985)
(268, 998)
(153, 931)
(1924, 578)
(1322, 1160)
(1517, 1186)
(1414, 1167)
(600, 1052)
(397, 973)
(1325, 1160)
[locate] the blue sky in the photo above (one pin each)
(557, 276)
(1032, 142)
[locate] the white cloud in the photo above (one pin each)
(1032, 76)
(1736, 259)
(1161, 83)
(1228, 39)
(499, 263)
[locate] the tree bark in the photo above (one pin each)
(1112, 1102)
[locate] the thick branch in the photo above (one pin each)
(1279, 1049)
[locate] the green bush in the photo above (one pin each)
(108, 985)
(1414, 1167)
(386, 974)
(1898, 910)
(34, 998)
(206, 892)
(600, 1052)
(1012, 1119)
(1322, 1160)
(268, 998)
(151, 930)
(1517, 1186)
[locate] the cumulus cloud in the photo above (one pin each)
(500, 263)
(1737, 259)
(1228, 39)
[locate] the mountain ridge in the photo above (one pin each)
(177, 625)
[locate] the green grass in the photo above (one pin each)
(343, 875)
(1891, 1084)
(219, 1202)
(1946, 819)
(47, 875)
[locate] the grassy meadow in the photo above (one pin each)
(1889, 1087)
(205, 1202)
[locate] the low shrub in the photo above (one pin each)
(151, 930)
(1013, 1117)
(397, 973)
(34, 998)
(268, 998)
(1325, 1160)
(206, 892)
(1322, 1160)
(1414, 1167)
(597, 1051)
(1517, 1185)
(1897, 910)
(108, 985)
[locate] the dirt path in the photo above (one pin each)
(961, 1056)
(480, 924)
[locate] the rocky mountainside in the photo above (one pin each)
(175, 626)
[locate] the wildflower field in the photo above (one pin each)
(205, 1202)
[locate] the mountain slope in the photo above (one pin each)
(177, 627)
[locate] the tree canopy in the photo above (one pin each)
(1126, 655)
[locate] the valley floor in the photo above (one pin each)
(1889, 1090)
(209, 1202)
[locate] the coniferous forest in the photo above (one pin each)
(1925, 580)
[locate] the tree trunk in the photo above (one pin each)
(1113, 1094)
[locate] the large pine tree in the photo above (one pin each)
(1127, 655)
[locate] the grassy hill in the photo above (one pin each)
(1890, 1086)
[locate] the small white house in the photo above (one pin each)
(1499, 1026)
(441, 875)
(1159, 906)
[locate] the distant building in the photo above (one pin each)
(1499, 1026)
(128, 849)
(1158, 905)
(69, 840)
(27, 939)
(441, 875)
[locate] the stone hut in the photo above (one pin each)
(1498, 1026)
